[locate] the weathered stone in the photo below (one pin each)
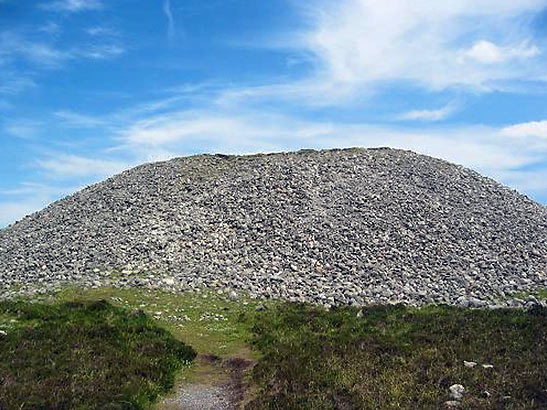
(457, 391)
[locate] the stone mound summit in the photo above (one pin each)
(354, 226)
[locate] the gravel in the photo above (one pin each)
(353, 226)
(202, 397)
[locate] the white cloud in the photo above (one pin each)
(428, 115)
(479, 147)
(216, 131)
(169, 15)
(537, 129)
(11, 211)
(486, 52)
(73, 5)
(74, 166)
(358, 45)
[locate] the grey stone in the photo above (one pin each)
(456, 391)
(353, 226)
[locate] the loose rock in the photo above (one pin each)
(457, 391)
(353, 226)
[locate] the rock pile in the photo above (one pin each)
(353, 226)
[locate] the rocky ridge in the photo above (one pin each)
(352, 226)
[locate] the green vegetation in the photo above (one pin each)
(207, 321)
(399, 358)
(84, 356)
(115, 356)
(540, 294)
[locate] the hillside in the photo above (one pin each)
(355, 226)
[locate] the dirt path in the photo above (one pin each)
(218, 385)
(199, 396)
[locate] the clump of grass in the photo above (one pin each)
(84, 355)
(394, 357)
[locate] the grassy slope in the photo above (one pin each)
(390, 357)
(84, 356)
(400, 358)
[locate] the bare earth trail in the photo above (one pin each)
(216, 384)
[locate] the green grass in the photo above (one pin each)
(188, 316)
(540, 294)
(389, 357)
(84, 356)
(399, 358)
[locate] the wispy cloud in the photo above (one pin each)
(29, 197)
(15, 47)
(486, 52)
(74, 166)
(358, 46)
(11, 211)
(537, 129)
(363, 41)
(72, 6)
(428, 115)
(12, 82)
(51, 28)
(479, 147)
(72, 119)
(24, 129)
(100, 52)
(169, 15)
(156, 131)
(483, 148)
(101, 31)
(217, 131)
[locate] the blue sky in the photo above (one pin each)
(89, 88)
